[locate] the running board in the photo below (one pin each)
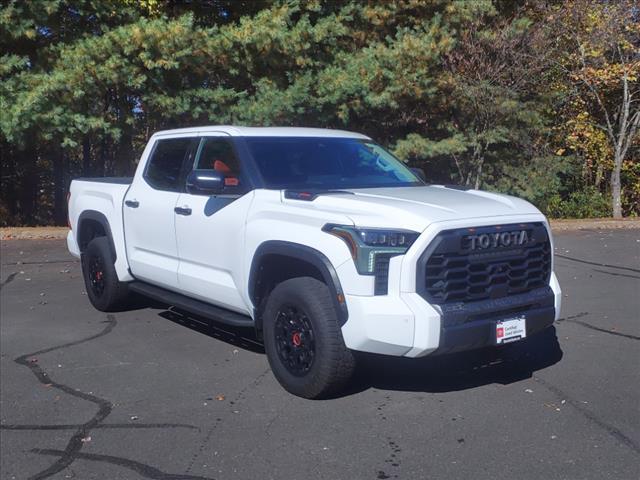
(192, 305)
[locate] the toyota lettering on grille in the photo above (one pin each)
(483, 241)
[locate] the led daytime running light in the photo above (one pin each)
(366, 243)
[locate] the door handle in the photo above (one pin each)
(182, 210)
(132, 203)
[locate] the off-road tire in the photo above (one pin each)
(112, 294)
(333, 363)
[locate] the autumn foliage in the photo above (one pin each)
(537, 99)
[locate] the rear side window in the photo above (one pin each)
(164, 170)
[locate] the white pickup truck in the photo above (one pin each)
(320, 240)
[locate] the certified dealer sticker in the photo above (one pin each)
(510, 330)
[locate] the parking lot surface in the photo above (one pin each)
(151, 393)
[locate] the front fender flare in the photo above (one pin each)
(305, 254)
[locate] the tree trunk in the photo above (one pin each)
(102, 162)
(616, 190)
(479, 173)
(8, 179)
(28, 185)
(123, 154)
(599, 175)
(59, 191)
(86, 156)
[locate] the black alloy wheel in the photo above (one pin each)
(104, 290)
(96, 275)
(303, 339)
(295, 341)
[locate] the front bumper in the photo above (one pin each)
(403, 323)
(474, 326)
(406, 325)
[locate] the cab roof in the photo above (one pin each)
(238, 131)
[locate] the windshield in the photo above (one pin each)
(327, 163)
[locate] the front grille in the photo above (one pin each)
(461, 265)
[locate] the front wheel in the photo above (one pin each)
(303, 340)
(104, 290)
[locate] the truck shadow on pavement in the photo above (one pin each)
(459, 371)
(436, 374)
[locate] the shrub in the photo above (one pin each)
(586, 203)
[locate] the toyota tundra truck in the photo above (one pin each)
(320, 240)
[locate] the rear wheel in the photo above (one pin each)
(303, 340)
(104, 290)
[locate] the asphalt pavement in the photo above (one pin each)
(152, 393)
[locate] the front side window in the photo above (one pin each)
(165, 165)
(327, 163)
(216, 153)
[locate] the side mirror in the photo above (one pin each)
(205, 182)
(419, 173)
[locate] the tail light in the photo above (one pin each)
(68, 213)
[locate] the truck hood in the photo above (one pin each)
(415, 208)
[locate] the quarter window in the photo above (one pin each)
(164, 170)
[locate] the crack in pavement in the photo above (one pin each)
(613, 431)
(574, 319)
(392, 461)
(202, 445)
(99, 427)
(43, 262)
(8, 280)
(579, 260)
(74, 446)
(283, 407)
(138, 467)
(616, 274)
(240, 395)
(604, 330)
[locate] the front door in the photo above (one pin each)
(149, 213)
(210, 232)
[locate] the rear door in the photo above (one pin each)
(211, 236)
(149, 212)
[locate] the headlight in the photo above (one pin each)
(365, 244)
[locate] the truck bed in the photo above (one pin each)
(101, 198)
(118, 180)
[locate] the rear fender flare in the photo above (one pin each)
(102, 220)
